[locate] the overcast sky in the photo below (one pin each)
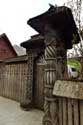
(15, 13)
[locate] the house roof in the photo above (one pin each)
(19, 50)
(4, 36)
(17, 59)
(60, 18)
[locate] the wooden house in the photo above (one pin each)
(6, 48)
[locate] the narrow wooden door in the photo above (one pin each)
(39, 86)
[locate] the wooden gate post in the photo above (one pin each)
(55, 57)
(34, 47)
(27, 99)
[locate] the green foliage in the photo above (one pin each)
(75, 63)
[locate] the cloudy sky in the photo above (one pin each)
(15, 13)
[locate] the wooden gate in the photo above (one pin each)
(38, 93)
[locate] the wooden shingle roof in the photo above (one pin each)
(60, 18)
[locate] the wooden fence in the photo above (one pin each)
(70, 111)
(13, 80)
(70, 102)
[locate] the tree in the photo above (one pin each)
(76, 7)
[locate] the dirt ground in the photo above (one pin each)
(12, 114)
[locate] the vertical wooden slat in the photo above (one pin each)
(65, 111)
(60, 112)
(39, 86)
(76, 113)
(70, 118)
(12, 80)
(81, 112)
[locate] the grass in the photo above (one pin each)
(75, 63)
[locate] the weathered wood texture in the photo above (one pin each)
(13, 80)
(60, 111)
(70, 111)
(39, 86)
(81, 112)
(70, 118)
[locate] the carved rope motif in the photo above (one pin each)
(55, 57)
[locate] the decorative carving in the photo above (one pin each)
(55, 57)
(28, 95)
(58, 26)
(30, 77)
(33, 54)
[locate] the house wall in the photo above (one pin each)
(5, 50)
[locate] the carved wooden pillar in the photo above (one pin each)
(27, 100)
(55, 57)
(35, 48)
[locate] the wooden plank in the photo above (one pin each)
(76, 113)
(81, 112)
(39, 87)
(65, 113)
(70, 116)
(60, 112)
